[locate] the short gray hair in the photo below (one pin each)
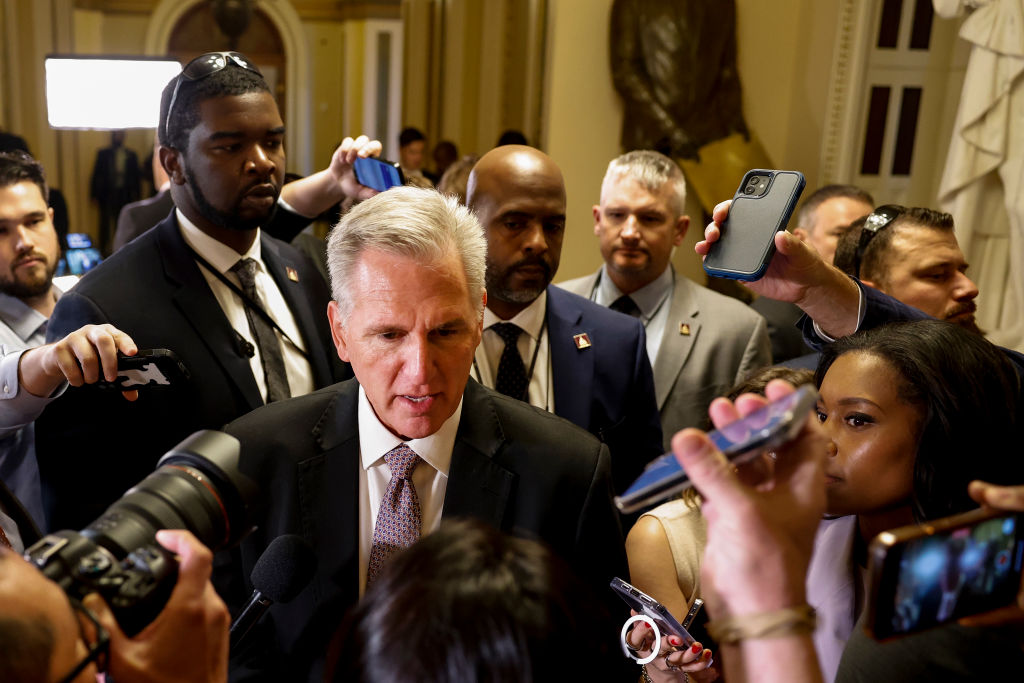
(412, 222)
(651, 170)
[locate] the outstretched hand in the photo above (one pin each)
(82, 357)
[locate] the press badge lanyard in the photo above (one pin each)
(529, 372)
(246, 301)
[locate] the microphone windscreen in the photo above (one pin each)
(284, 568)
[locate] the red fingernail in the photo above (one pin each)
(696, 648)
(675, 640)
(647, 625)
(707, 654)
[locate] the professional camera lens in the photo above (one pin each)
(197, 486)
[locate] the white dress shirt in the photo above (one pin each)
(430, 477)
(653, 299)
(533, 340)
(223, 258)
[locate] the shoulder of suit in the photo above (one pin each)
(579, 285)
(594, 314)
(283, 419)
(519, 419)
(722, 307)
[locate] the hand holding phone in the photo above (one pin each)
(760, 208)
(764, 429)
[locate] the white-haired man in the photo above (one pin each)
(364, 467)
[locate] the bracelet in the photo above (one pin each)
(788, 621)
(646, 677)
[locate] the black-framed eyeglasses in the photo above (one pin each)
(99, 644)
(204, 66)
(879, 220)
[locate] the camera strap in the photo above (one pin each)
(253, 306)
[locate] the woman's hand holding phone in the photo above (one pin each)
(673, 659)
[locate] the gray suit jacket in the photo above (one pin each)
(726, 341)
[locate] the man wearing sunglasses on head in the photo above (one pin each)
(47, 637)
(912, 255)
(244, 312)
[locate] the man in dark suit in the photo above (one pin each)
(564, 353)
(115, 182)
(180, 286)
(407, 273)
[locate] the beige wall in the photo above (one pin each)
(784, 59)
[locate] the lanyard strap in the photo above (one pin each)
(253, 306)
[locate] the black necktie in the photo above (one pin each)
(625, 304)
(511, 379)
(266, 339)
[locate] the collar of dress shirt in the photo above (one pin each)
(648, 298)
(530, 319)
(22, 318)
(221, 256)
(375, 439)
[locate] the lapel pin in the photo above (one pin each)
(684, 329)
(293, 274)
(582, 341)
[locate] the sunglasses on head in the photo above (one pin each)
(880, 219)
(204, 66)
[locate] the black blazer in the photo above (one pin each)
(91, 444)
(517, 467)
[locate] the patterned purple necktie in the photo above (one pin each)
(398, 519)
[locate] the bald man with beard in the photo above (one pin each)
(541, 344)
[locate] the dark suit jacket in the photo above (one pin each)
(514, 466)
(608, 387)
(13, 508)
(92, 444)
(879, 309)
(138, 217)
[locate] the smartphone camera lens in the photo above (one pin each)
(750, 189)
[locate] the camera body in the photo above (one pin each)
(197, 486)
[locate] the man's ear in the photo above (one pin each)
(682, 225)
(596, 210)
(171, 160)
(800, 234)
(337, 330)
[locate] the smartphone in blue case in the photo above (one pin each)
(760, 208)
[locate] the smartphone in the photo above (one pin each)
(925, 575)
(148, 368)
(379, 174)
(760, 208)
(740, 441)
(644, 604)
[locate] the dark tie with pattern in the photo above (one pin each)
(399, 519)
(625, 304)
(266, 338)
(511, 379)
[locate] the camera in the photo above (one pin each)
(197, 486)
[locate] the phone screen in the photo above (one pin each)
(770, 426)
(937, 578)
(380, 175)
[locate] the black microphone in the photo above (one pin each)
(282, 571)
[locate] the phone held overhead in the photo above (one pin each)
(379, 174)
(761, 207)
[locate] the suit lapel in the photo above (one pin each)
(16, 511)
(295, 296)
(478, 487)
(572, 368)
(681, 330)
(193, 296)
(330, 514)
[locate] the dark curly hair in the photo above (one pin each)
(968, 393)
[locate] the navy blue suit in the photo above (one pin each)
(879, 309)
(92, 445)
(608, 387)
